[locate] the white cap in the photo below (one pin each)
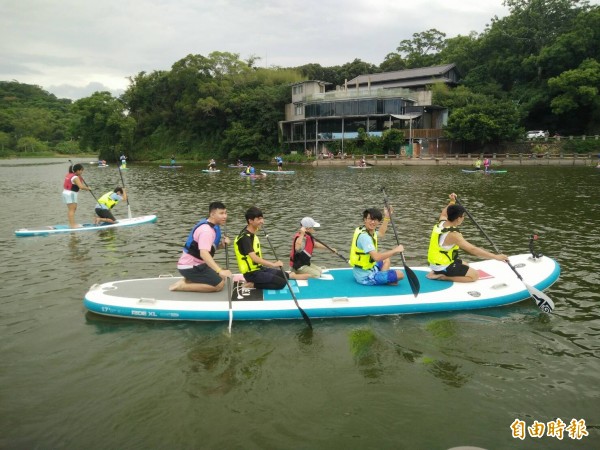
(309, 222)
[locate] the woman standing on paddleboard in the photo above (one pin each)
(72, 184)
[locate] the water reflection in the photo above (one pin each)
(217, 368)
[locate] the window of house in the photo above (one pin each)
(298, 110)
(299, 89)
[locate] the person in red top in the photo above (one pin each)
(302, 249)
(71, 186)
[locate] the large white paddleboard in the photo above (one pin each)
(42, 231)
(335, 294)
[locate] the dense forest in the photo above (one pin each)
(537, 68)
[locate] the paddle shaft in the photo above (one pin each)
(415, 285)
(328, 247)
(544, 302)
(123, 181)
(304, 315)
(229, 292)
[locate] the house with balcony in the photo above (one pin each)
(321, 113)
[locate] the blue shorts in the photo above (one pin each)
(374, 276)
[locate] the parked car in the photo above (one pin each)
(536, 134)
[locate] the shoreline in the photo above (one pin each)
(465, 160)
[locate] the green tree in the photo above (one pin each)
(575, 94)
(423, 49)
(482, 123)
(103, 124)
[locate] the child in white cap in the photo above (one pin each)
(303, 246)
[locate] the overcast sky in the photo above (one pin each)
(75, 47)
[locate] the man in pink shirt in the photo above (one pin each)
(200, 271)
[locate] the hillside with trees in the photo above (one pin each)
(537, 68)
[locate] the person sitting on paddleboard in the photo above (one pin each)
(200, 271)
(478, 164)
(72, 184)
(303, 245)
(173, 160)
(362, 162)
(249, 170)
(239, 162)
(257, 271)
(446, 240)
(372, 267)
(106, 203)
(212, 164)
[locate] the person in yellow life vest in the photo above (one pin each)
(446, 240)
(257, 271)
(371, 266)
(106, 203)
(478, 164)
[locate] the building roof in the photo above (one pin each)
(404, 77)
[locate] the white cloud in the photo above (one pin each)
(72, 46)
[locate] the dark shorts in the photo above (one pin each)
(456, 269)
(266, 278)
(201, 274)
(279, 164)
(105, 214)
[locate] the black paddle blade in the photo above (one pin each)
(415, 284)
(543, 302)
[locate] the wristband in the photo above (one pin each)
(219, 270)
(386, 219)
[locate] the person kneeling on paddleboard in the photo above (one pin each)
(200, 271)
(258, 272)
(106, 203)
(446, 240)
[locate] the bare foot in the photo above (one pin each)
(248, 285)
(434, 276)
(175, 286)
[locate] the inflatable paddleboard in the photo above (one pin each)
(55, 229)
(483, 171)
(335, 294)
(279, 172)
(210, 171)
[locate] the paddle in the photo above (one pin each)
(229, 291)
(415, 285)
(543, 302)
(123, 181)
(329, 248)
(304, 315)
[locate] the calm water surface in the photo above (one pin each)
(71, 379)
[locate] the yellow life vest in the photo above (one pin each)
(358, 258)
(437, 255)
(245, 263)
(107, 200)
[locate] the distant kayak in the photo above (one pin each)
(279, 172)
(483, 171)
(170, 167)
(359, 167)
(55, 229)
(210, 171)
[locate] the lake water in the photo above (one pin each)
(72, 379)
